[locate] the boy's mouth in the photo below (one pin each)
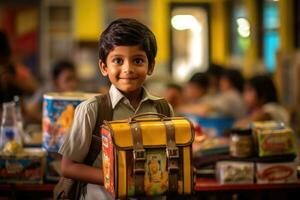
(127, 78)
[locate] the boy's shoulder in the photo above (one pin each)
(90, 103)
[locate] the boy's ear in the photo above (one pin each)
(151, 68)
(102, 67)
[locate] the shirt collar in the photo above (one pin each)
(116, 96)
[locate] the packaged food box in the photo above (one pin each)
(232, 172)
(275, 142)
(285, 172)
(58, 113)
(259, 125)
(25, 167)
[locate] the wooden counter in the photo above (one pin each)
(208, 189)
(205, 189)
(26, 191)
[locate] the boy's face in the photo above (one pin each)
(126, 68)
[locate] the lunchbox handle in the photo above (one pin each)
(143, 115)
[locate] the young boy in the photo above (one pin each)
(127, 51)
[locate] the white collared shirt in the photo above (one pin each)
(77, 142)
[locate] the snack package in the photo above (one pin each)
(261, 125)
(276, 172)
(231, 172)
(58, 113)
(275, 142)
(26, 166)
(273, 138)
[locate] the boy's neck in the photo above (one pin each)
(134, 97)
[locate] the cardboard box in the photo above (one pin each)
(275, 142)
(58, 113)
(25, 167)
(231, 172)
(276, 172)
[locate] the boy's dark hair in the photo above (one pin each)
(125, 31)
(200, 79)
(264, 88)
(61, 66)
(235, 77)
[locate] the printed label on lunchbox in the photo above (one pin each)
(156, 175)
(108, 162)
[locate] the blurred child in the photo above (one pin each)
(228, 103)
(64, 79)
(214, 73)
(174, 95)
(15, 79)
(261, 99)
(196, 88)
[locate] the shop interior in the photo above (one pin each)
(206, 48)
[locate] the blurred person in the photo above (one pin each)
(214, 73)
(174, 95)
(196, 88)
(260, 96)
(63, 79)
(15, 79)
(228, 103)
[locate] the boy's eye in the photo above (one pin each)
(118, 61)
(138, 61)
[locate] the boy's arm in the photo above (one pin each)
(81, 172)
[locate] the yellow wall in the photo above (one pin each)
(219, 32)
(159, 15)
(88, 19)
(286, 25)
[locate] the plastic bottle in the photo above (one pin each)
(9, 127)
(19, 118)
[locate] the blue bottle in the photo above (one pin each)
(9, 126)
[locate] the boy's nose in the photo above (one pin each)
(128, 68)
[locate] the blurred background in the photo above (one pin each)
(206, 48)
(253, 36)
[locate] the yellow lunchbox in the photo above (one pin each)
(148, 155)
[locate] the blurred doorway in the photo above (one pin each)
(190, 47)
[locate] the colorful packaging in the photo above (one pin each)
(232, 172)
(212, 126)
(155, 164)
(276, 172)
(25, 167)
(58, 113)
(275, 142)
(261, 125)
